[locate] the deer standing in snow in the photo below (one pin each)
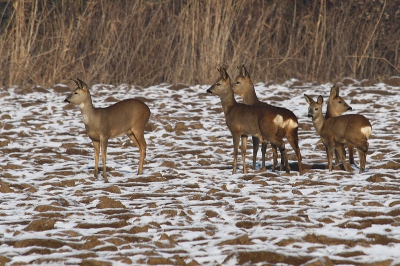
(336, 107)
(337, 131)
(243, 86)
(263, 122)
(125, 117)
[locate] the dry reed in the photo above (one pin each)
(149, 42)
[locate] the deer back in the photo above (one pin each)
(253, 120)
(347, 127)
(120, 117)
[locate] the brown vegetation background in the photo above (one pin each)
(147, 42)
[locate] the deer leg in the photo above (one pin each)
(256, 142)
(359, 143)
(277, 141)
(293, 140)
(340, 150)
(243, 151)
(275, 158)
(235, 152)
(263, 151)
(103, 144)
(96, 146)
(329, 155)
(286, 162)
(284, 156)
(362, 152)
(337, 162)
(362, 156)
(350, 147)
(138, 140)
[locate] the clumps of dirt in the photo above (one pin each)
(246, 224)
(95, 263)
(139, 229)
(40, 225)
(244, 257)
(166, 241)
(376, 178)
(47, 243)
(49, 208)
(4, 142)
(107, 203)
(5, 188)
(242, 240)
(391, 165)
(159, 261)
(113, 189)
(118, 224)
(211, 214)
(393, 81)
(92, 242)
(4, 260)
(178, 87)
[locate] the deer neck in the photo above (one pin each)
(250, 97)
(87, 110)
(330, 112)
(319, 123)
(228, 101)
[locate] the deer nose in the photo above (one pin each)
(208, 91)
(66, 100)
(350, 108)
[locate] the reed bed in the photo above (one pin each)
(145, 42)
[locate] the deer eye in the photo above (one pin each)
(316, 109)
(218, 84)
(237, 82)
(340, 102)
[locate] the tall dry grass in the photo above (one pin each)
(146, 42)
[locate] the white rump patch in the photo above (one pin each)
(366, 131)
(278, 120)
(290, 123)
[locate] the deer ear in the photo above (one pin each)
(334, 91)
(320, 100)
(76, 82)
(224, 74)
(220, 71)
(244, 72)
(82, 84)
(308, 99)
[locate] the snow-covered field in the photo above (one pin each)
(187, 208)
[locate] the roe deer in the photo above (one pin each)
(242, 120)
(243, 86)
(337, 131)
(125, 117)
(336, 107)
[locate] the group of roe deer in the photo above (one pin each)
(264, 122)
